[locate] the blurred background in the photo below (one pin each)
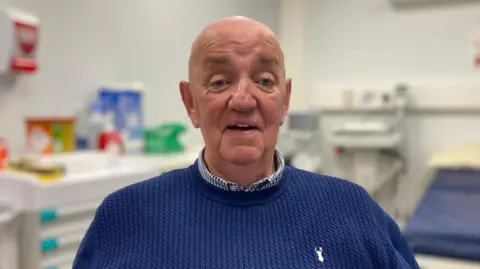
(386, 93)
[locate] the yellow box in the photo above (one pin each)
(51, 135)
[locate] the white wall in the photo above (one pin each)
(349, 42)
(85, 44)
(292, 38)
(369, 40)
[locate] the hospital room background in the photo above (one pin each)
(386, 93)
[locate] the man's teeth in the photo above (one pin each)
(243, 125)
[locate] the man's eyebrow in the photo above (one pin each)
(269, 60)
(215, 60)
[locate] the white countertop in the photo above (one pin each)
(89, 176)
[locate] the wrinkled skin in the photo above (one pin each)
(237, 76)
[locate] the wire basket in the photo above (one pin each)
(8, 240)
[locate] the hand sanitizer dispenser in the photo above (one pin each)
(19, 33)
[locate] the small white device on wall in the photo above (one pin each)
(19, 35)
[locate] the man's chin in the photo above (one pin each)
(242, 155)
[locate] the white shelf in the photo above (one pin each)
(365, 141)
(430, 95)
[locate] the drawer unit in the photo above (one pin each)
(52, 235)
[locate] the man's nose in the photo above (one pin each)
(242, 99)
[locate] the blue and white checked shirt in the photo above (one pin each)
(265, 183)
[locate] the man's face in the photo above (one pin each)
(238, 94)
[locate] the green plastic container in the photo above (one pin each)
(164, 139)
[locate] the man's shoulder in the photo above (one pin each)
(149, 189)
(322, 182)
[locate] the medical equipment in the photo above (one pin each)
(19, 32)
(54, 215)
(303, 130)
(375, 147)
(446, 222)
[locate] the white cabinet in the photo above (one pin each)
(54, 216)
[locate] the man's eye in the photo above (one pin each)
(266, 82)
(219, 83)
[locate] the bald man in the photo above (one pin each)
(238, 205)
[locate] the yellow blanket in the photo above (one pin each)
(465, 156)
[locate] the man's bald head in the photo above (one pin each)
(235, 30)
(237, 78)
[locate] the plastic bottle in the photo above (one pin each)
(133, 127)
(95, 125)
(109, 139)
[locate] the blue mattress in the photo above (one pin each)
(447, 221)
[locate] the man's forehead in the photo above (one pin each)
(235, 35)
(232, 28)
(240, 43)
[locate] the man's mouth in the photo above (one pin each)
(242, 127)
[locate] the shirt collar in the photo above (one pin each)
(262, 184)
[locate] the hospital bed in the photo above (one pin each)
(444, 230)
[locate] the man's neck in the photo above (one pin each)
(244, 175)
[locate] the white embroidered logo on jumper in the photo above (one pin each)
(319, 251)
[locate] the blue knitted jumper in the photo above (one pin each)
(178, 220)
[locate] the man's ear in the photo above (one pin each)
(187, 99)
(288, 90)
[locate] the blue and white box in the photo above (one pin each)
(108, 99)
(124, 105)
